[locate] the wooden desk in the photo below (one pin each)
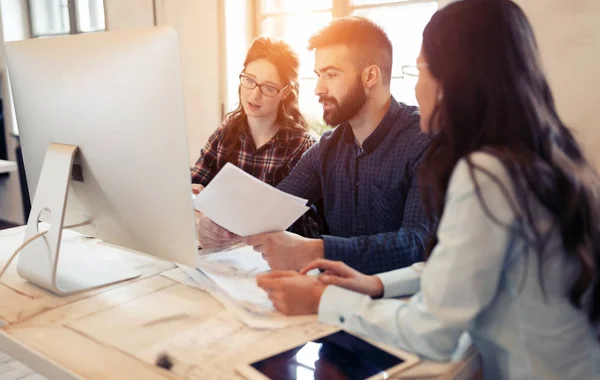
(21, 300)
(118, 332)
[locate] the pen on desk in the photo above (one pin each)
(164, 361)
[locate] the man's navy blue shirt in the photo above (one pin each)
(370, 195)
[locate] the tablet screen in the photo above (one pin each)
(336, 356)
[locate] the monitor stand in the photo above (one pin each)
(39, 261)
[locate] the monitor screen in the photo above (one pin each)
(336, 356)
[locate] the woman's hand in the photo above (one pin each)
(340, 274)
(292, 293)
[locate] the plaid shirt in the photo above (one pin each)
(371, 198)
(271, 163)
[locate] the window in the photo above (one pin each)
(58, 17)
(294, 21)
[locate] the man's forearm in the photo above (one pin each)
(377, 253)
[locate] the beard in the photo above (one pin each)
(347, 107)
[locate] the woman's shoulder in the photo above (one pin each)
(483, 159)
(481, 166)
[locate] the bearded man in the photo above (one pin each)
(363, 172)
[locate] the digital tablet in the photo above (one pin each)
(337, 356)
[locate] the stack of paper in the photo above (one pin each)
(245, 205)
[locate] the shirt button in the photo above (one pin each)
(357, 183)
(358, 209)
(342, 319)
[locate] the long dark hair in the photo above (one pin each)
(287, 63)
(496, 99)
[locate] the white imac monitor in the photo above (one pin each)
(104, 139)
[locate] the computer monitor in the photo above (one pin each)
(103, 132)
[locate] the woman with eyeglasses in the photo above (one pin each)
(266, 135)
(516, 255)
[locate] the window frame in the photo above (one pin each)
(73, 21)
(340, 8)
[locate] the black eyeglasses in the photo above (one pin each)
(265, 89)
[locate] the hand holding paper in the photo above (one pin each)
(240, 204)
(285, 250)
(212, 236)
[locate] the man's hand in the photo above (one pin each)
(285, 250)
(211, 235)
(197, 188)
(340, 274)
(291, 292)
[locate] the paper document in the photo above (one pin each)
(234, 272)
(246, 312)
(245, 205)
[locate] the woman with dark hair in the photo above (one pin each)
(515, 258)
(266, 135)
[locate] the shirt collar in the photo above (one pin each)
(379, 133)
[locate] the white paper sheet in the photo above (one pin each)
(246, 206)
(230, 277)
(246, 313)
(235, 273)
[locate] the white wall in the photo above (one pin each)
(200, 35)
(124, 14)
(15, 24)
(238, 35)
(569, 39)
(197, 22)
